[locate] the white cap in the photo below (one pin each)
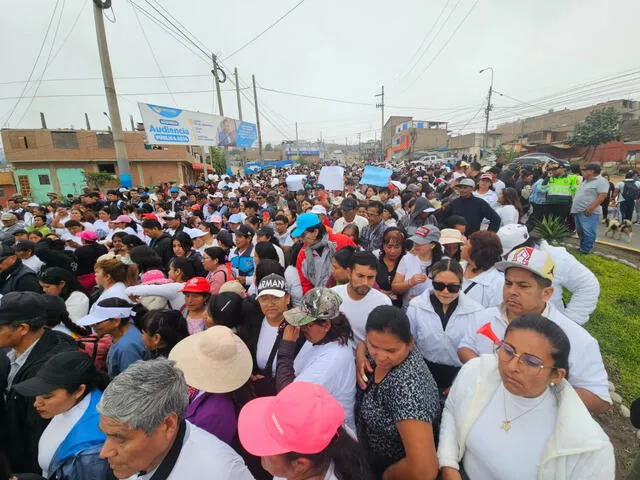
(99, 314)
(218, 195)
(194, 232)
(319, 210)
(511, 236)
(231, 195)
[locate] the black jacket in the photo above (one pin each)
(87, 256)
(473, 209)
(54, 257)
(162, 245)
(19, 278)
(20, 424)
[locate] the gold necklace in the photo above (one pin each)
(506, 423)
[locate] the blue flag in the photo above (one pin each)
(376, 176)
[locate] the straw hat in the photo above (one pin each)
(214, 360)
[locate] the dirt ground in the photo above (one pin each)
(623, 437)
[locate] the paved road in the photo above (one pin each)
(635, 241)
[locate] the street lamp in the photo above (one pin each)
(108, 118)
(488, 109)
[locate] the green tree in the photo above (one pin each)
(98, 179)
(600, 126)
(268, 147)
(217, 160)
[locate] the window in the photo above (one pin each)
(105, 139)
(44, 180)
(64, 139)
(1, 192)
(20, 142)
(25, 186)
(107, 168)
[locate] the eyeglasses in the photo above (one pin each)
(451, 287)
(533, 365)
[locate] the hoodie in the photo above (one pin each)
(410, 223)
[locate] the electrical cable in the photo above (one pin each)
(286, 14)
(33, 69)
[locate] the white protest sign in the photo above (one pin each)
(295, 182)
(332, 178)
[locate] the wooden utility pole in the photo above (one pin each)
(235, 73)
(110, 91)
(255, 101)
(217, 80)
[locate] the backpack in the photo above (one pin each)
(630, 190)
(97, 348)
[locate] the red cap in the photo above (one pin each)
(302, 418)
(195, 207)
(196, 285)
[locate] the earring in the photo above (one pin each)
(552, 384)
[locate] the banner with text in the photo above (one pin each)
(173, 126)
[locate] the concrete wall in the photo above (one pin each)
(428, 138)
(389, 129)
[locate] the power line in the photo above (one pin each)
(71, 95)
(153, 55)
(443, 46)
(33, 69)
(285, 15)
(73, 26)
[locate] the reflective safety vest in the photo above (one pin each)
(561, 189)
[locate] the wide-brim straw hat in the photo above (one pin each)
(214, 360)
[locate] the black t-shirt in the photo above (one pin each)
(408, 392)
(384, 277)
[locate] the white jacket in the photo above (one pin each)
(435, 344)
(578, 279)
(487, 290)
(586, 369)
(577, 449)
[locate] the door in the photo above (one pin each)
(71, 180)
(34, 183)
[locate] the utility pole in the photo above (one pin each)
(235, 73)
(487, 110)
(216, 77)
(297, 144)
(381, 106)
(255, 102)
(110, 91)
(359, 153)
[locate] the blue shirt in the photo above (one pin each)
(127, 350)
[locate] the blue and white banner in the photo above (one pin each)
(174, 126)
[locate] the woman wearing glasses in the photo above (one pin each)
(514, 415)
(440, 318)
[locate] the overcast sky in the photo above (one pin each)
(341, 49)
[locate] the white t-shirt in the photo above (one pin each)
(508, 214)
(57, 430)
(357, 311)
(333, 366)
(34, 263)
(410, 265)
(493, 454)
(498, 186)
(489, 196)
(266, 339)
(361, 222)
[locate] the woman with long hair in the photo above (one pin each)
(146, 258)
(182, 245)
(485, 191)
(67, 389)
(482, 281)
(509, 207)
(113, 275)
(412, 274)
(61, 282)
(329, 361)
(161, 331)
(515, 415)
(217, 267)
(389, 256)
(314, 445)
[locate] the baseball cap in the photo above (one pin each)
(274, 285)
(170, 216)
(302, 418)
(467, 182)
(154, 277)
(306, 220)
(265, 231)
(33, 204)
(6, 251)
(21, 306)
(450, 235)
(511, 236)
(62, 370)
(123, 219)
(174, 190)
(225, 238)
(216, 218)
(233, 286)
(7, 217)
(349, 204)
(88, 235)
(319, 210)
(196, 285)
(537, 262)
(24, 246)
(245, 230)
(194, 233)
(320, 303)
(218, 195)
(214, 360)
(425, 235)
(99, 314)
(235, 218)
(464, 164)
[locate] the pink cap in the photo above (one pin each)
(154, 277)
(88, 235)
(215, 218)
(302, 418)
(123, 219)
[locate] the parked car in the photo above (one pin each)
(536, 159)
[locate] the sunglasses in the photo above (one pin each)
(451, 287)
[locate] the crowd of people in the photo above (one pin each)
(241, 328)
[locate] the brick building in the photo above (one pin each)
(414, 136)
(55, 160)
(471, 143)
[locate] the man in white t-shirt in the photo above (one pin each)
(358, 296)
(349, 208)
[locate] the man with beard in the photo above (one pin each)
(358, 296)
